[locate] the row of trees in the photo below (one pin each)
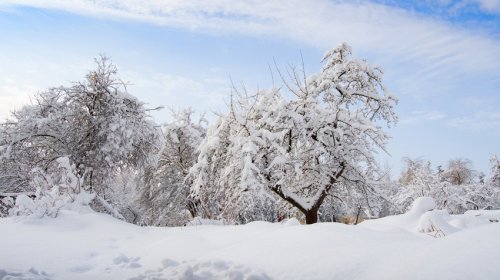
(457, 188)
(304, 149)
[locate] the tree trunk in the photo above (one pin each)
(357, 215)
(192, 208)
(311, 216)
(334, 219)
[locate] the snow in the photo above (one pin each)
(422, 205)
(88, 245)
(197, 221)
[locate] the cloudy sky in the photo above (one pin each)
(441, 57)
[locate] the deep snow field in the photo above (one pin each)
(420, 244)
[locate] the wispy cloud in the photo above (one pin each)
(422, 55)
(478, 121)
(424, 50)
(423, 116)
(179, 91)
(12, 96)
(451, 66)
(492, 6)
(207, 91)
(484, 120)
(453, 7)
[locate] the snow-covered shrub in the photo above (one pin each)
(54, 190)
(6, 203)
(49, 204)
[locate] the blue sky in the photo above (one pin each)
(441, 58)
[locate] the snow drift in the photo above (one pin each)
(96, 246)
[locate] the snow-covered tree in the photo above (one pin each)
(164, 200)
(414, 171)
(125, 190)
(455, 198)
(298, 149)
(417, 180)
(459, 172)
(494, 179)
(217, 189)
(95, 124)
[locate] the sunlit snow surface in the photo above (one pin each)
(416, 245)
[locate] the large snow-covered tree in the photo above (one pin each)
(302, 148)
(95, 124)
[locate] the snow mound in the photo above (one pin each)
(491, 215)
(80, 246)
(127, 262)
(291, 222)
(422, 205)
(423, 217)
(197, 221)
(408, 221)
(209, 270)
(436, 223)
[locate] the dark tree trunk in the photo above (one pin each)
(357, 215)
(311, 216)
(192, 208)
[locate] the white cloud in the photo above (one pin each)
(482, 120)
(209, 92)
(178, 91)
(479, 121)
(25, 75)
(422, 56)
(174, 84)
(423, 116)
(12, 96)
(423, 50)
(455, 6)
(492, 6)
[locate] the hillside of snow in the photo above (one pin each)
(420, 244)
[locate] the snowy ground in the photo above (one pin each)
(96, 246)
